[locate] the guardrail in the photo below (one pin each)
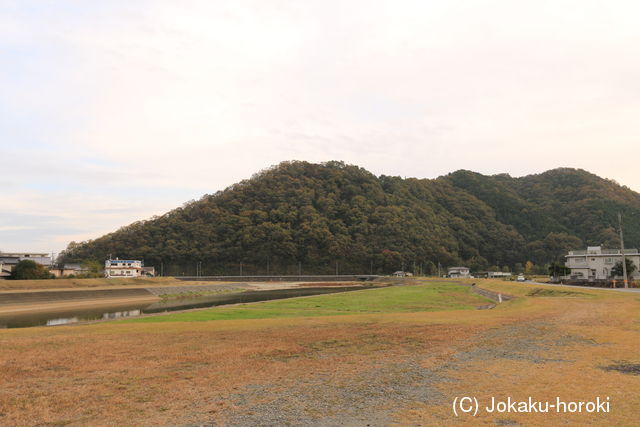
(604, 252)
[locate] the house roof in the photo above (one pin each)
(74, 266)
(123, 260)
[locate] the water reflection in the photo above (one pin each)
(119, 314)
(62, 321)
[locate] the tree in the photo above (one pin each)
(92, 269)
(317, 214)
(617, 271)
(541, 269)
(556, 269)
(29, 270)
(91, 266)
(430, 268)
(528, 267)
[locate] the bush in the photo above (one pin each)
(30, 270)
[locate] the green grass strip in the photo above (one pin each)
(429, 297)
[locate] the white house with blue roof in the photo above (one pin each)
(122, 268)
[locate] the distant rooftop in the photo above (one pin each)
(24, 254)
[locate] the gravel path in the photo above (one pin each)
(374, 396)
(328, 400)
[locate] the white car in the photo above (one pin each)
(520, 278)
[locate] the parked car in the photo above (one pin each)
(520, 278)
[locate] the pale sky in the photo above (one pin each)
(114, 111)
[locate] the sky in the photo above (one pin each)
(112, 112)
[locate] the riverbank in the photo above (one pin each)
(38, 300)
(330, 360)
(99, 283)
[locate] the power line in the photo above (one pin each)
(624, 259)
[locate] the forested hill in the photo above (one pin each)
(319, 217)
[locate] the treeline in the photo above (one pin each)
(308, 218)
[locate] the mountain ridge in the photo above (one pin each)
(320, 218)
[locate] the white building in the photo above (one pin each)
(402, 274)
(8, 261)
(498, 274)
(37, 257)
(458, 272)
(596, 263)
(122, 268)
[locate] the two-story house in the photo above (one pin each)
(596, 263)
(8, 261)
(458, 272)
(122, 268)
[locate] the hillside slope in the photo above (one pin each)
(323, 217)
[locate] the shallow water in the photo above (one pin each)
(57, 317)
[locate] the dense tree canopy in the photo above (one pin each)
(329, 217)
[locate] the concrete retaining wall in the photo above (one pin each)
(493, 296)
(10, 298)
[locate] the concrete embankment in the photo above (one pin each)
(42, 300)
(16, 302)
(179, 290)
(10, 298)
(494, 296)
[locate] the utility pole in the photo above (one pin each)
(624, 259)
(240, 269)
(336, 268)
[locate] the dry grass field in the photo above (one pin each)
(374, 368)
